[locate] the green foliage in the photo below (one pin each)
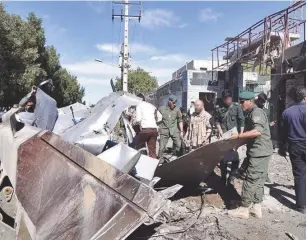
(25, 60)
(139, 81)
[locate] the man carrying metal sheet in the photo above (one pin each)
(259, 151)
(199, 129)
(28, 102)
(227, 117)
(260, 101)
(146, 117)
(168, 127)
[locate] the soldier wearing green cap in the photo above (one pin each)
(259, 151)
(171, 120)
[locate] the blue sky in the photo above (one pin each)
(170, 34)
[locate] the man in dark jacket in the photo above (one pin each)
(294, 135)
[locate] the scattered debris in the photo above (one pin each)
(290, 235)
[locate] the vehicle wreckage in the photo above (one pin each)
(62, 176)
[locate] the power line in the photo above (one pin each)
(133, 36)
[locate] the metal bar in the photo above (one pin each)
(304, 27)
(295, 19)
(212, 61)
(227, 52)
(129, 3)
(286, 31)
(122, 15)
(217, 56)
(289, 10)
(237, 48)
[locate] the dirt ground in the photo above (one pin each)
(196, 214)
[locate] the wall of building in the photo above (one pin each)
(282, 82)
(199, 81)
(189, 85)
(195, 65)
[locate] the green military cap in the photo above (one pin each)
(172, 98)
(246, 95)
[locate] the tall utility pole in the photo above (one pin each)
(125, 50)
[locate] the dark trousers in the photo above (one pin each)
(297, 152)
(233, 159)
(149, 136)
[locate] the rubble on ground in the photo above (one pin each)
(195, 215)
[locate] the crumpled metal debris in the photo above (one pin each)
(92, 133)
(44, 116)
(69, 193)
(70, 116)
(196, 166)
(45, 111)
(125, 159)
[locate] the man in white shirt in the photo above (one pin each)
(146, 117)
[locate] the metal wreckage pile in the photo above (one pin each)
(62, 179)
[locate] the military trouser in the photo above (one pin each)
(253, 186)
(164, 137)
(244, 166)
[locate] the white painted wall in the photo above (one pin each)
(194, 90)
(196, 65)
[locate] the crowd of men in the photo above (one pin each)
(193, 129)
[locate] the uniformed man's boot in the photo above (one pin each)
(241, 212)
(256, 210)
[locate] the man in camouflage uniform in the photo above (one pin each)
(227, 117)
(199, 129)
(168, 127)
(259, 151)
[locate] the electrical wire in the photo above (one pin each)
(112, 42)
(130, 50)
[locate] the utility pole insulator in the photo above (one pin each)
(140, 15)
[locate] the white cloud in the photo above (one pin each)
(93, 81)
(88, 69)
(45, 16)
(95, 77)
(208, 14)
(133, 47)
(161, 18)
(97, 6)
(171, 57)
(53, 32)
